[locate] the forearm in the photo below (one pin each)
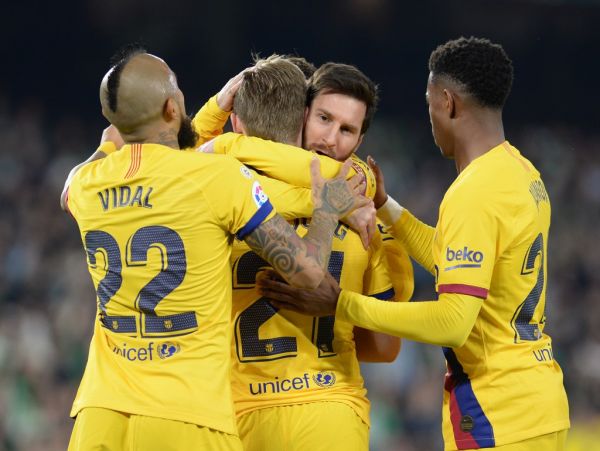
(209, 121)
(375, 347)
(289, 201)
(319, 237)
(415, 236)
(302, 262)
(446, 322)
(400, 269)
(281, 161)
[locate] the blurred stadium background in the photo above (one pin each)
(55, 53)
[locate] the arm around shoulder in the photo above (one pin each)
(445, 322)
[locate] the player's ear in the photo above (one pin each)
(170, 110)
(450, 103)
(237, 125)
(305, 115)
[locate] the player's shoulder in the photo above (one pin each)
(203, 166)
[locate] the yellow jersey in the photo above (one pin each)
(157, 225)
(503, 385)
(286, 162)
(281, 357)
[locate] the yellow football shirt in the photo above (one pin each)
(157, 225)
(285, 162)
(281, 357)
(503, 385)
(209, 121)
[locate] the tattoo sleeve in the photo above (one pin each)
(303, 261)
(295, 258)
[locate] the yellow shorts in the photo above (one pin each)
(315, 426)
(554, 441)
(109, 430)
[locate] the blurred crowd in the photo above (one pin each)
(47, 301)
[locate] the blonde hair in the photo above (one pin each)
(271, 100)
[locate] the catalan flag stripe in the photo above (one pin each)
(136, 157)
(464, 402)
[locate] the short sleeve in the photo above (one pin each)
(290, 201)
(238, 198)
(465, 245)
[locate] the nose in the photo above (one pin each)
(329, 138)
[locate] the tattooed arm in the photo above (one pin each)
(302, 262)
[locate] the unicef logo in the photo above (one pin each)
(166, 350)
(324, 378)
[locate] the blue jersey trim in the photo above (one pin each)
(255, 220)
(385, 295)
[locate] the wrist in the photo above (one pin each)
(221, 104)
(390, 212)
(323, 219)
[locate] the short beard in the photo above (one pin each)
(187, 136)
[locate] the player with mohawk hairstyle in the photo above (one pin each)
(157, 225)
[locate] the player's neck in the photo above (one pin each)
(165, 136)
(478, 138)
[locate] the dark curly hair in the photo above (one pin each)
(118, 62)
(481, 66)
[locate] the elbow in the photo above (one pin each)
(456, 339)
(391, 350)
(391, 354)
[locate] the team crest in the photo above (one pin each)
(167, 349)
(324, 378)
(260, 197)
(246, 172)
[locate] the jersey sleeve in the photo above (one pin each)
(284, 162)
(376, 279)
(238, 198)
(445, 322)
(290, 201)
(466, 245)
(209, 121)
(398, 264)
(72, 197)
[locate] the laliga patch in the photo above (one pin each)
(246, 172)
(260, 197)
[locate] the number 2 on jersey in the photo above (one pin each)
(249, 346)
(173, 269)
(521, 323)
